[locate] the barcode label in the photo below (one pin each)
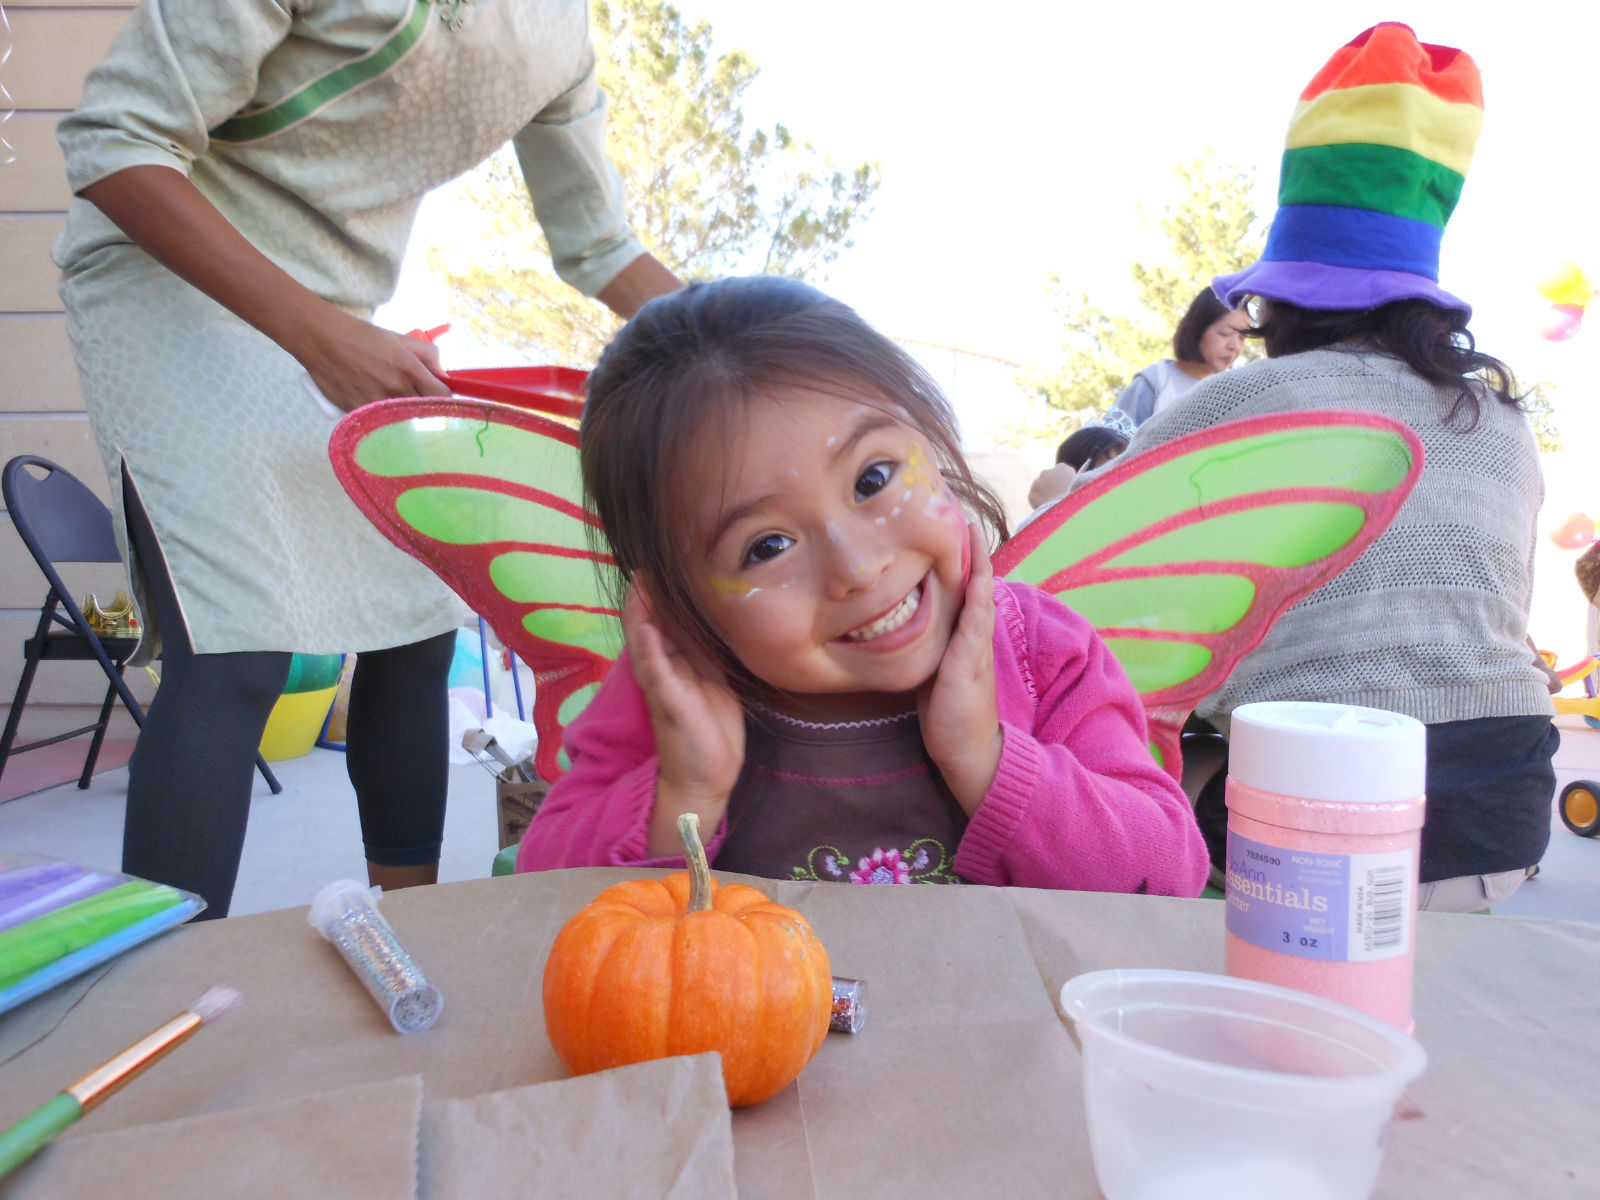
(1382, 903)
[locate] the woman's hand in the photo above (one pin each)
(354, 362)
(960, 722)
(351, 360)
(698, 723)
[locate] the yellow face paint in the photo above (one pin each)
(725, 587)
(918, 470)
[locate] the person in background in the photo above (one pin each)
(1431, 620)
(1208, 340)
(1085, 449)
(245, 178)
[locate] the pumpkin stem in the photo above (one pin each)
(699, 869)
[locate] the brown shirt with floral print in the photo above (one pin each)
(858, 802)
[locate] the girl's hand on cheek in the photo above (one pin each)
(960, 722)
(698, 724)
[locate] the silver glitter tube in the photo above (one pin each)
(346, 913)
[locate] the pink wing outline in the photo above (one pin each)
(1276, 588)
(560, 669)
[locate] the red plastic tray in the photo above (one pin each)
(554, 390)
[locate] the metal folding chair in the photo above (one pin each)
(61, 520)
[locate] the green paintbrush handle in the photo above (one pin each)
(29, 1135)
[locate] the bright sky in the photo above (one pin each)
(1011, 148)
(1017, 139)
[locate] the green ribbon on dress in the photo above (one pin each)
(319, 93)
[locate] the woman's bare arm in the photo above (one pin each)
(351, 360)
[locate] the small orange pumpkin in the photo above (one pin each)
(682, 965)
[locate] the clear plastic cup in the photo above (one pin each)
(1202, 1085)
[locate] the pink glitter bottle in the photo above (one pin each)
(1325, 806)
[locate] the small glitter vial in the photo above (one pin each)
(346, 914)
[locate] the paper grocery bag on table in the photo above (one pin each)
(517, 801)
(654, 1129)
(356, 1143)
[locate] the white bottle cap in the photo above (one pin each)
(1339, 752)
(339, 898)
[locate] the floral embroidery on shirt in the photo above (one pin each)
(923, 861)
(882, 867)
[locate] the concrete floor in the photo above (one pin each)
(308, 836)
(298, 840)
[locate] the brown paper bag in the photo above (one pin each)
(355, 1143)
(653, 1129)
(518, 801)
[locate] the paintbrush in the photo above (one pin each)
(24, 1139)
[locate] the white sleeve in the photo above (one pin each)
(576, 192)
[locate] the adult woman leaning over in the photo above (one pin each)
(1208, 340)
(1430, 621)
(246, 175)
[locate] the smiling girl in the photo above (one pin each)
(819, 661)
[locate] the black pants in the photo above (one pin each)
(1489, 783)
(190, 776)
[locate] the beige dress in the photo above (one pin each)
(315, 126)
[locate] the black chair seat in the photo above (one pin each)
(66, 645)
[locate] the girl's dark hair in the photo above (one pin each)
(1205, 310)
(1087, 444)
(1432, 340)
(686, 366)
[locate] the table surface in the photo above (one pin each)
(965, 1080)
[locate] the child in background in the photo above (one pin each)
(1091, 447)
(819, 661)
(1084, 450)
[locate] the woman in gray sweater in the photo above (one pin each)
(1431, 620)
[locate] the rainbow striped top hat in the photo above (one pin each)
(1377, 152)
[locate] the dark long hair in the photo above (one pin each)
(1205, 310)
(685, 367)
(1433, 341)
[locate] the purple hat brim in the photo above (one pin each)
(1330, 288)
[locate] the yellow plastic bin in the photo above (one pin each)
(298, 716)
(295, 722)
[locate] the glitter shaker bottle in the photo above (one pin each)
(1325, 806)
(346, 913)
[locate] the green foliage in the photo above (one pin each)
(1541, 413)
(705, 196)
(1211, 229)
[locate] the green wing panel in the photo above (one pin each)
(1284, 535)
(464, 446)
(1152, 664)
(1357, 458)
(464, 516)
(1171, 603)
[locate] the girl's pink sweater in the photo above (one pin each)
(1077, 801)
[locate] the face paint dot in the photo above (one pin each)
(726, 588)
(919, 472)
(877, 520)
